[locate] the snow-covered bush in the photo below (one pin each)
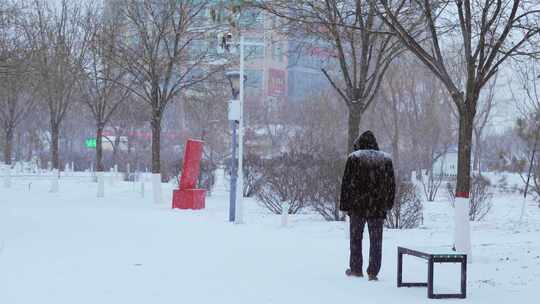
(535, 180)
(207, 176)
(480, 199)
(302, 181)
(325, 188)
(407, 210)
(286, 179)
(252, 167)
(252, 174)
(431, 184)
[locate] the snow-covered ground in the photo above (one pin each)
(71, 247)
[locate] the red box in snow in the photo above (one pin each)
(189, 199)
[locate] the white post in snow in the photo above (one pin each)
(93, 173)
(462, 227)
(284, 214)
(128, 169)
(116, 175)
(111, 177)
(101, 184)
(7, 176)
(522, 213)
(55, 183)
(156, 187)
(142, 177)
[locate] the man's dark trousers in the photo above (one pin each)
(375, 228)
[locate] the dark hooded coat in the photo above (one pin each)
(368, 185)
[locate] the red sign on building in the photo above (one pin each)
(276, 82)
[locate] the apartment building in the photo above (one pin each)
(278, 69)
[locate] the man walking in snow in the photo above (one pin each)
(367, 193)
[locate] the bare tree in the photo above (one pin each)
(528, 125)
(60, 39)
(363, 49)
(16, 98)
(484, 34)
(102, 84)
(163, 53)
(412, 118)
(487, 104)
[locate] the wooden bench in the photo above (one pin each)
(433, 257)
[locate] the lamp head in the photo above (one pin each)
(234, 82)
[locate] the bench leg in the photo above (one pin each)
(399, 269)
(430, 279)
(464, 278)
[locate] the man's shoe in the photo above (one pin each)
(351, 273)
(372, 277)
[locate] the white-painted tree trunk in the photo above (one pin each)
(142, 187)
(462, 227)
(93, 173)
(116, 175)
(55, 183)
(101, 184)
(347, 227)
(111, 177)
(156, 188)
(7, 176)
(284, 214)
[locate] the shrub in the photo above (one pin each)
(285, 179)
(480, 200)
(407, 211)
(207, 175)
(252, 168)
(431, 186)
(325, 188)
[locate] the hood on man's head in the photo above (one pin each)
(366, 141)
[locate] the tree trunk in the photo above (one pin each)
(9, 145)
(476, 159)
(479, 160)
(354, 128)
(116, 146)
(55, 159)
(464, 154)
(99, 148)
(156, 138)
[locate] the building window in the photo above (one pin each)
(254, 79)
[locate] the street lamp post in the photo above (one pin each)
(236, 107)
(240, 189)
(234, 118)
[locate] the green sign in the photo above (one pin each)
(91, 143)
